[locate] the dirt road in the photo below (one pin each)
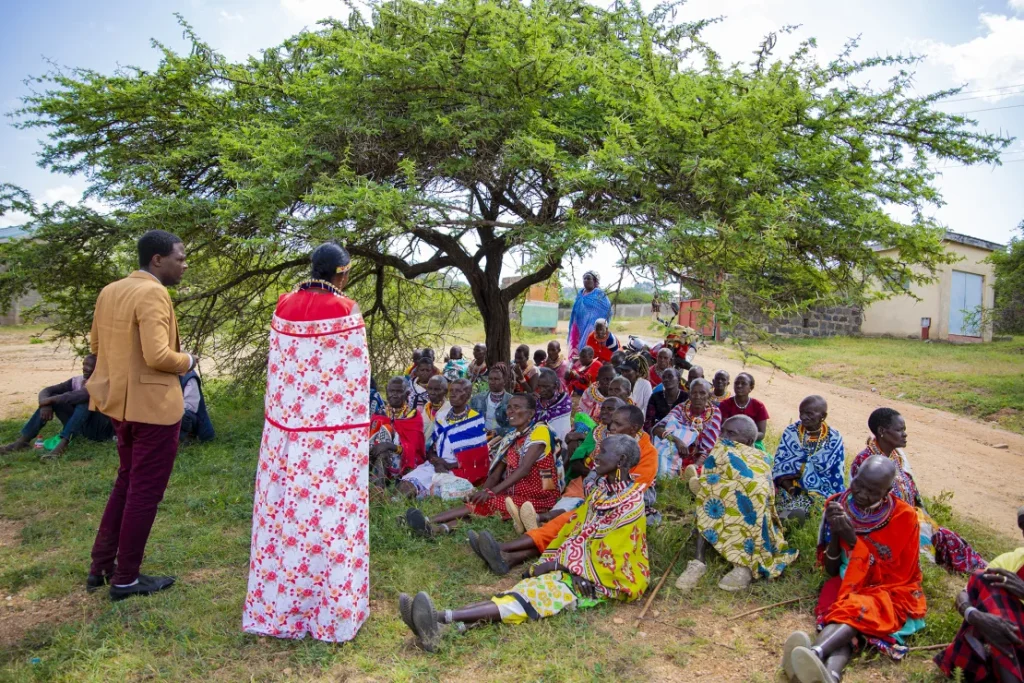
(948, 452)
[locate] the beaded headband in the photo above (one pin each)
(343, 269)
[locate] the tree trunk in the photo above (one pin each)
(498, 331)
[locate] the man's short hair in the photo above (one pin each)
(155, 243)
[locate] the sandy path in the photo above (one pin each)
(25, 368)
(948, 452)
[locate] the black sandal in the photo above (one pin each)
(405, 610)
(491, 552)
(474, 542)
(424, 622)
(418, 522)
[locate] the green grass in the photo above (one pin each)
(192, 632)
(980, 380)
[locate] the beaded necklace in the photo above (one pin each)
(903, 486)
(452, 418)
(866, 521)
(698, 422)
(812, 440)
(323, 285)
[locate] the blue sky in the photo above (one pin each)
(980, 45)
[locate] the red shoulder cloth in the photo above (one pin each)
(312, 304)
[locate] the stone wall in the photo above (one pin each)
(817, 322)
(15, 315)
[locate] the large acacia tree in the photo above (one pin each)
(451, 135)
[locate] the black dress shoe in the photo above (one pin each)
(96, 581)
(146, 585)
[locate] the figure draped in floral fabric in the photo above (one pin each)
(309, 563)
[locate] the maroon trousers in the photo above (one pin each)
(147, 455)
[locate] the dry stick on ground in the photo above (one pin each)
(774, 604)
(657, 588)
(925, 648)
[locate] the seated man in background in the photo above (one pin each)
(195, 422)
(869, 543)
(600, 554)
(994, 617)
(809, 463)
(69, 402)
(736, 476)
(436, 406)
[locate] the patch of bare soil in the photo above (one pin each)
(19, 615)
(10, 533)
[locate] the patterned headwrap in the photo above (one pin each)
(597, 278)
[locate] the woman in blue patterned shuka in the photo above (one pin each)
(736, 511)
(809, 463)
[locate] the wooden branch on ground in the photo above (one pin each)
(925, 648)
(774, 604)
(657, 588)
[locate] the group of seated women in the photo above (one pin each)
(575, 473)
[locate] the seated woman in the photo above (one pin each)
(736, 476)
(740, 403)
(493, 404)
(720, 387)
(635, 370)
(590, 401)
(662, 402)
(554, 405)
(396, 435)
(602, 341)
(458, 446)
(523, 468)
(524, 372)
(456, 365)
(942, 546)
(990, 643)
(583, 372)
(688, 434)
(579, 465)
(500, 557)
(600, 554)
(809, 463)
(868, 543)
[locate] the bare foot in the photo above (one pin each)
(57, 451)
(17, 445)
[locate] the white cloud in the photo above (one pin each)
(994, 59)
(13, 218)
(62, 193)
(1017, 6)
(312, 11)
(229, 18)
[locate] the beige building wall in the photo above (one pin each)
(901, 316)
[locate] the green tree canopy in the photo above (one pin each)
(449, 134)
(1009, 264)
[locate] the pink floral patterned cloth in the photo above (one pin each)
(309, 566)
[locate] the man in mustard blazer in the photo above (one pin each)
(135, 339)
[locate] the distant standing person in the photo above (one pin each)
(590, 306)
(138, 360)
(655, 307)
(309, 566)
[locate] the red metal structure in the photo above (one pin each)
(700, 315)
